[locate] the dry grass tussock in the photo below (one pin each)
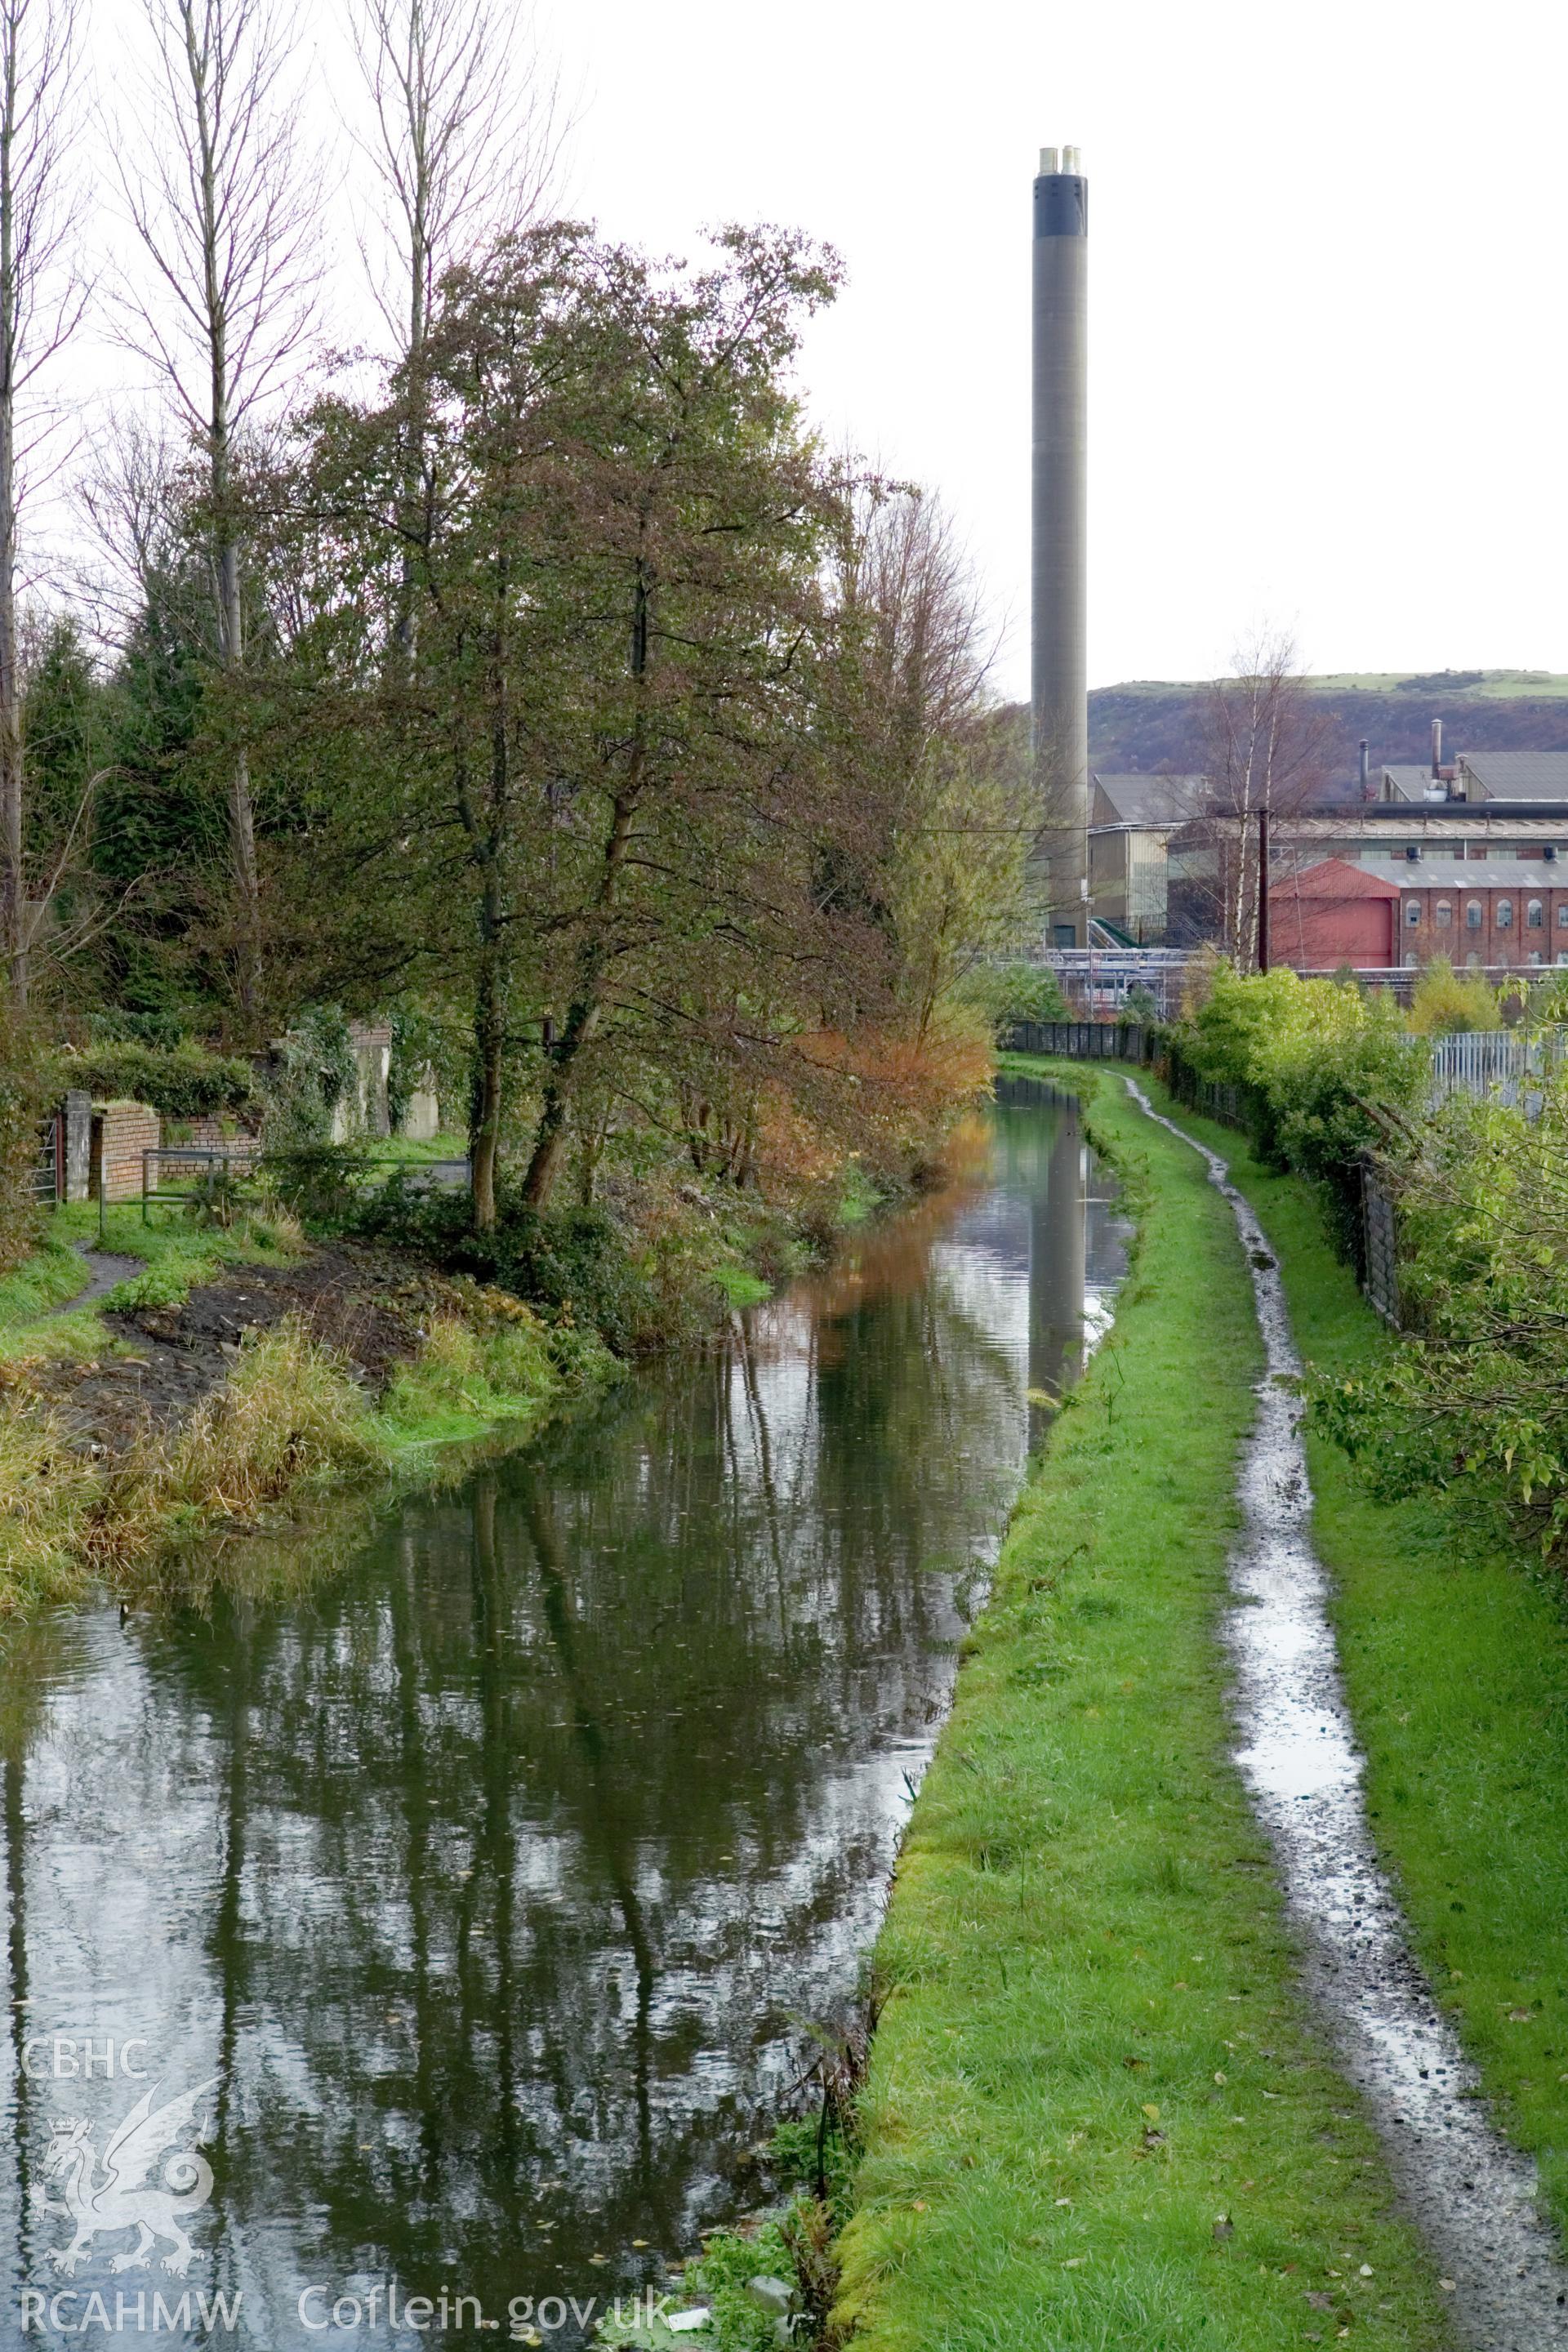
(288, 1415)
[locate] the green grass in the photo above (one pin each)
(1456, 1660)
(1093, 2047)
(400, 1151)
(41, 1283)
(176, 1256)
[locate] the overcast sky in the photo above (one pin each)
(1329, 334)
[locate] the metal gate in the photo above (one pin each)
(49, 1167)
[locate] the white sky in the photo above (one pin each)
(1328, 332)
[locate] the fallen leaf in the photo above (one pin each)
(1220, 2075)
(1450, 2286)
(1152, 2111)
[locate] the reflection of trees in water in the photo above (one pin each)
(532, 1834)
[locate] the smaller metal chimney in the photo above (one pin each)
(1366, 769)
(1049, 166)
(1437, 750)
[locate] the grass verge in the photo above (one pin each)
(174, 1257)
(1096, 2115)
(1455, 1649)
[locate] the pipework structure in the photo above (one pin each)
(1058, 701)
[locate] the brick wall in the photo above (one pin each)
(206, 1135)
(121, 1133)
(1459, 918)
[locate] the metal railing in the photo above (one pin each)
(1504, 1065)
(205, 1164)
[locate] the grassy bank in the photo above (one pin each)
(1456, 1657)
(1097, 2115)
(290, 1420)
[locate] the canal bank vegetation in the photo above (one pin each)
(1453, 1632)
(1096, 2111)
(625, 749)
(232, 1379)
(1474, 1401)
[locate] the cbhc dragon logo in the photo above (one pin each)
(125, 2198)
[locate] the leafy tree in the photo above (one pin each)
(598, 781)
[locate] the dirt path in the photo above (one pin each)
(1473, 2196)
(369, 1308)
(105, 1272)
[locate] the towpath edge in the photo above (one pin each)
(1099, 2113)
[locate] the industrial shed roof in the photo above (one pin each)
(1148, 799)
(1527, 877)
(1336, 878)
(1519, 775)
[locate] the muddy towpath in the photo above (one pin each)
(1473, 2196)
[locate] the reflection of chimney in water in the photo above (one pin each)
(1058, 1267)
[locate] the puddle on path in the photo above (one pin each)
(1473, 2196)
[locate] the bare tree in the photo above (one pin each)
(228, 206)
(1266, 748)
(466, 138)
(41, 298)
(466, 134)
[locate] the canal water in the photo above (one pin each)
(470, 1897)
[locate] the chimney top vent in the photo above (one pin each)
(1049, 157)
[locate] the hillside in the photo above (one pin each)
(1147, 724)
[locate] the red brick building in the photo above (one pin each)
(1333, 914)
(1499, 914)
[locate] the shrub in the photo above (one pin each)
(182, 1081)
(570, 1263)
(1446, 1002)
(1321, 1063)
(1010, 992)
(314, 1182)
(1477, 1396)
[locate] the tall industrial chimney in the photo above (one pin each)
(1058, 673)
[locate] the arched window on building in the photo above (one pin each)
(1504, 917)
(1535, 915)
(1413, 913)
(1472, 915)
(1445, 915)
